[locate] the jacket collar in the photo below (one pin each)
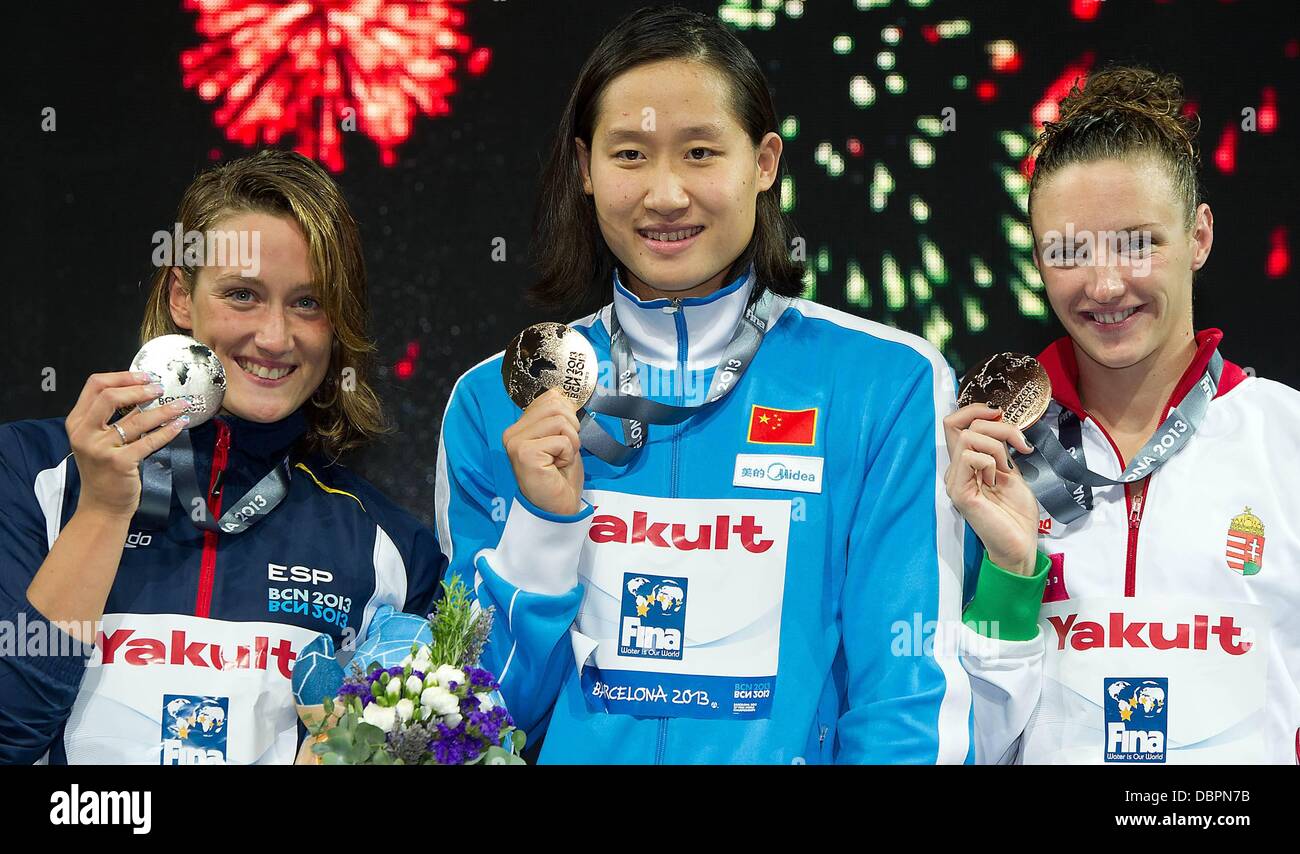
(695, 331)
(261, 445)
(1063, 369)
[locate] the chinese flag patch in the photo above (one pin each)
(769, 426)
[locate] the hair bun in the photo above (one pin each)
(1131, 95)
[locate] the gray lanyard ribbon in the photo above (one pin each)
(1060, 478)
(635, 411)
(156, 475)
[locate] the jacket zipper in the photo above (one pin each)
(208, 565)
(1136, 501)
(679, 321)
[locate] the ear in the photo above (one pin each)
(584, 164)
(179, 300)
(769, 160)
(1202, 236)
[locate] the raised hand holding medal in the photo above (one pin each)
(999, 399)
(549, 371)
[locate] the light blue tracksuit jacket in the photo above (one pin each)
(760, 584)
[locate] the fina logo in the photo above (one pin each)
(193, 730)
(654, 616)
(1136, 719)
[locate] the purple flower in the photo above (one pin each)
(356, 689)
(480, 680)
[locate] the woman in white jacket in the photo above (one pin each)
(1164, 597)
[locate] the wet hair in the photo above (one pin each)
(283, 183)
(573, 262)
(1121, 113)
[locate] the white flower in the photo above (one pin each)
(431, 680)
(446, 673)
(442, 701)
(405, 661)
(452, 721)
(405, 709)
(485, 702)
(394, 688)
(414, 686)
(422, 662)
(383, 717)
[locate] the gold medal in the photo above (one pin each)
(546, 356)
(1012, 382)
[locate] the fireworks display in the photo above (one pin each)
(914, 154)
(312, 70)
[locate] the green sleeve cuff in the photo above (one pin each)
(1006, 604)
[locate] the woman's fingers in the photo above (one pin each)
(551, 450)
(156, 439)
(110, 400)
(994, 448)
(96, 383)
(962, 418)
(541, 417)
(85, 409)
(954, 423)
(138, 423)
(1003, 432)
(983, 466)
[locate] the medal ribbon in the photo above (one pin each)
(635, 411)
(156, 475)
(1061, 480)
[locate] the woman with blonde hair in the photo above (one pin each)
(196, 613)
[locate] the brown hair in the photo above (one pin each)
(573, 261)
(282, 183)
(1122, 112)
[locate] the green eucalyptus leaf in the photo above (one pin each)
(369, 734)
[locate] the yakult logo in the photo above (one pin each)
(125, 646)
(1118, 632)
(666, 534)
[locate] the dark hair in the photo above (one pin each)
(573, 262)
(1121, 112)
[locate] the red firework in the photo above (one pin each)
(315, 69)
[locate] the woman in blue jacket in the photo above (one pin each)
(758, 574)
(197, 614)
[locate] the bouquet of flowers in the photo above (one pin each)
(437, 707)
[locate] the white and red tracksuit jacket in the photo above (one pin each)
(1169, 629)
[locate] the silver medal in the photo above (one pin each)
(186, 370)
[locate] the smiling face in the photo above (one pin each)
(675, 177)
(1117, 257)
(270, 331)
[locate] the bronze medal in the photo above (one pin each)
(1012, 382)
(546, 356)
